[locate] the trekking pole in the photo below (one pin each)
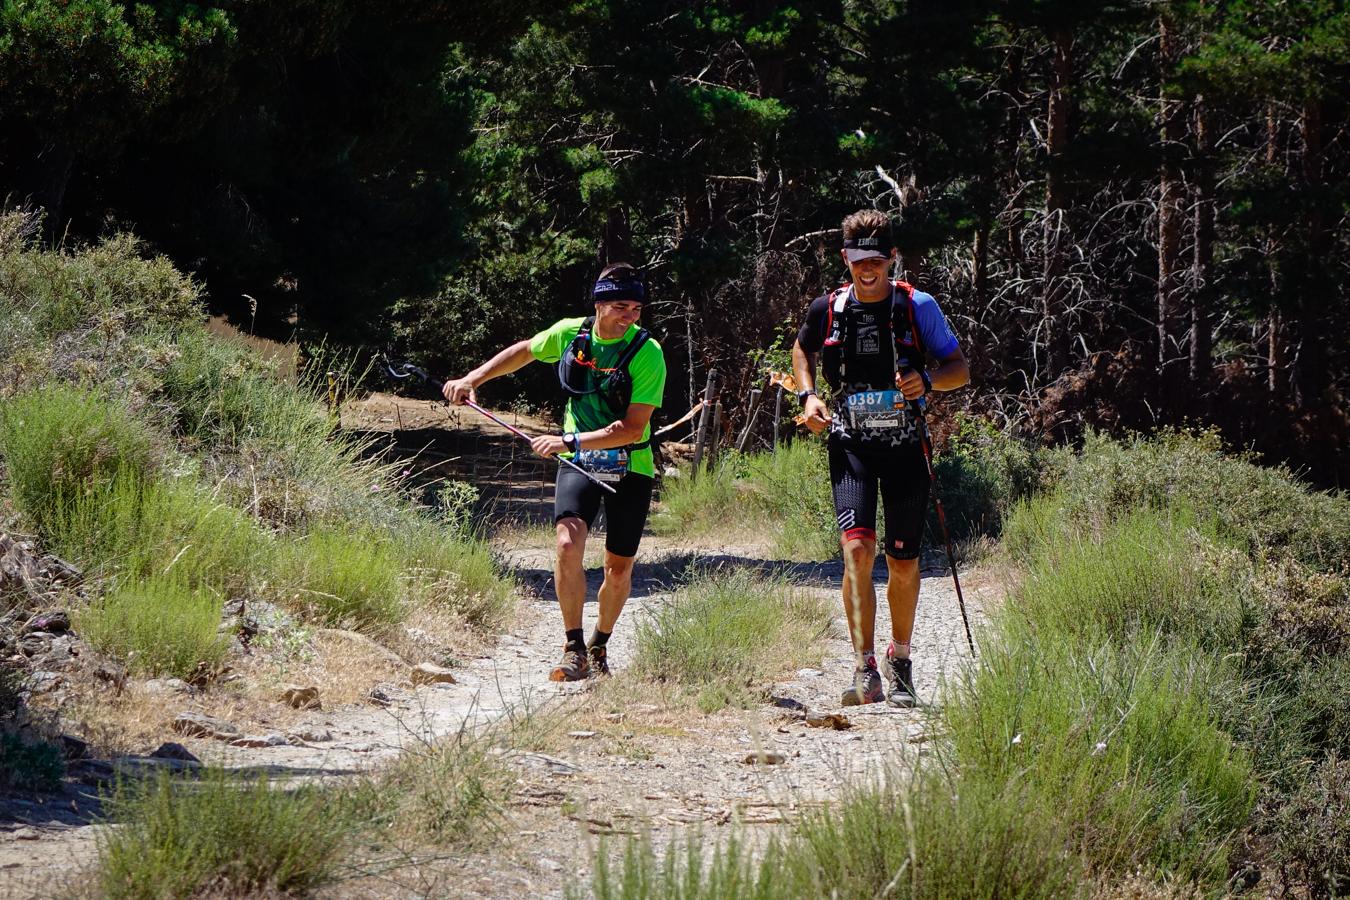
(408, 370)
(942, 518)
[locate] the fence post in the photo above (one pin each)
(756, 395)
(715, 438)
(705, 414)
(777, 416)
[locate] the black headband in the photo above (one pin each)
(607, 289)
(876, 243)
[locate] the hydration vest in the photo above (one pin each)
(579, 376)
(908, 344)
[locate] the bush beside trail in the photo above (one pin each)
(1160, 697)
(179, 470)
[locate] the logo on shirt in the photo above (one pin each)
(869, 340)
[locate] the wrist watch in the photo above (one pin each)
(570, 441)
(802, 395)
(927, 381)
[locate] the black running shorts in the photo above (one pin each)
(576, 496)
(903, 478)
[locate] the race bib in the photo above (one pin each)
(876, 409)
(606, 465)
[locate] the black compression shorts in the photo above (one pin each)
(903, 478)
(576, 496)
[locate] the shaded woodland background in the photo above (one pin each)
(1134, 213)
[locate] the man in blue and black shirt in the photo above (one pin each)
(874, 338)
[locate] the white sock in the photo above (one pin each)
(898, 650)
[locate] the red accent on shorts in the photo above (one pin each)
(899, 544)
(869, 534)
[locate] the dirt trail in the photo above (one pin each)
(606, 770)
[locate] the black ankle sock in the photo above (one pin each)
(576, 640)
(599, 638)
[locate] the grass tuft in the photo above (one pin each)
(347, 579)
(61, 443)
(726, 632)
(181, 838)
(160, 626)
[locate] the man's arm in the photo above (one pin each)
(620, 433)
(517, 356)
(953, 371)
(804, 372)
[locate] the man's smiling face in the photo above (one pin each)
(869, 276)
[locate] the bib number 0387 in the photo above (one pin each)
(876, 409)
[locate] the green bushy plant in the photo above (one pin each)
(454, 571)
(135, 529)
(159, 625)
(346, 578)
(220, 835)
(61, 443)
(725, 632)
(1266, 508)
(982, 472)
(1310, 831)
(29, 764)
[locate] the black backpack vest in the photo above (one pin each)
(579, 377)
(908, 344)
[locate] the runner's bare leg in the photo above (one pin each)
(860, 596)
(569, 571)
(902, 595)
(614, 591)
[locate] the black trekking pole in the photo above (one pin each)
(408, 370)
(927, 446)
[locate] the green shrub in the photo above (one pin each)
(918, 838)
(105, 288)
(178, 839)
(346, 578)
(1265, 508)
(1146, 571)
(1310, 832)
(454, 571)
(28, 764)
(140, 530)
(727, 631)
(1121, 738)
(159, 625)
(791, 489)
(982, 473)
(271, 442)
(61, 443)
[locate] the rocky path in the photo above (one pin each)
(607, 766)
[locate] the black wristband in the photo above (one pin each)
(927, 382)
(802, 395)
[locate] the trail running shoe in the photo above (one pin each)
(599, 660)
(901, 691)
(866, 688)
(574, 667)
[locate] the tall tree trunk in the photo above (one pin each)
(616, 243)
(1276, 358)
(1170, 192)
(1053, 288)
(1202, 265)
(1310, 366)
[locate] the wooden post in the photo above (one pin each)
(756, 396)
(704, 418)
(715, 438)
(777, 416)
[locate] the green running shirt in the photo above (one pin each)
(588, 413)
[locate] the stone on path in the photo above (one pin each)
(765, 758)
(199, 725)
(430, 673)
(836, 721)
(168, 686)
(297, 697)
(259, 740)
(173, 750)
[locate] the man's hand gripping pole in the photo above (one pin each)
(408, 370)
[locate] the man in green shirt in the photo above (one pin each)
(614, 374)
